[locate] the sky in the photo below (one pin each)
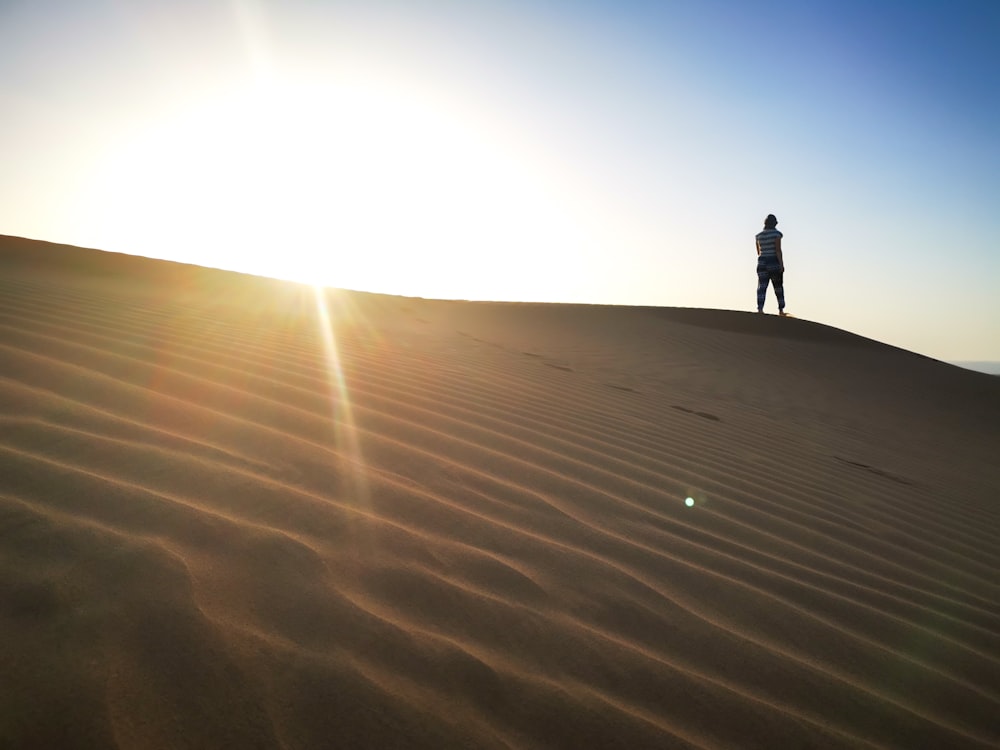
(614, 152)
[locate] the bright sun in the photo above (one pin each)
(357, 185)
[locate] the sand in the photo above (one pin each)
(238, 513)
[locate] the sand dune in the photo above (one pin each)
(235, 513)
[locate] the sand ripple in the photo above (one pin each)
(463, 525)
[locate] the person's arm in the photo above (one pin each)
(757, 243)
(777, 247)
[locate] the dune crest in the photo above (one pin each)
(235, 512)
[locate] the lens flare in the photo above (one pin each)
(345, 432)
(689, 502)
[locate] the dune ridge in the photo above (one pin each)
(237, 512)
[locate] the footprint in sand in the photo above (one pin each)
(702, 414)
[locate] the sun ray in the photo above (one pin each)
(345, 431)
(249, 16)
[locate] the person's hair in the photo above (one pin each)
(770, 222)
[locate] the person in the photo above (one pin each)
(770, 264)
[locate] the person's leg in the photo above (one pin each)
(762, 278)
(778, 280)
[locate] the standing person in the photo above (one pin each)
(770, 264)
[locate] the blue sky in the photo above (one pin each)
(611, 152)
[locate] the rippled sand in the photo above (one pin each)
(235, 513)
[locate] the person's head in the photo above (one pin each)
(770, 222)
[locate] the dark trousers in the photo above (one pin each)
(776, 277)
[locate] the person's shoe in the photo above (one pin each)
(760, 310)
(782, 313)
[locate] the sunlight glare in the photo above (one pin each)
(345, 432)
(355, 184)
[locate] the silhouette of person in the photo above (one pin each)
(770, 264)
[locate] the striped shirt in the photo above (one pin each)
(767, 242)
